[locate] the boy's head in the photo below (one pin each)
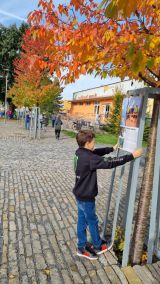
(86, 139)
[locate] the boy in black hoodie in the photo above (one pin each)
(86, 162)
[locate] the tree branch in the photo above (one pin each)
(154, 74)
(150, 83)
(142, 23)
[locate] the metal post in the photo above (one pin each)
(5, 102)
(127, 194)
(39, 126)
(157, 242)
(133, 190)
(118, 198)
(31, 124)
(35, 122)
(109, 200)
(152, 229)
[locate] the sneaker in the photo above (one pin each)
(89, 247)
(103, 248)
(87, 254)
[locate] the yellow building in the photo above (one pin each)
(66, 106)
(95, 103)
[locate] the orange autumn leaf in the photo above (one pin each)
(86, 41)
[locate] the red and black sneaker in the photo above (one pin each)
(87, 253)
(103, 248)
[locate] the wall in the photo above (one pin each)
(86, 111)
(108, 90)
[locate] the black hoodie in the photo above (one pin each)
(86, 163)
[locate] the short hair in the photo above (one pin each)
(84, 136)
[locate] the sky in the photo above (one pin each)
(16, 11)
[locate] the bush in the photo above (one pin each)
(115, 116)
(146, 133)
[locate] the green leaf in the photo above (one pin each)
(150, 63)
(104, 74)
(102, 4)
(131, 50)
(111, 11)
(138, 62)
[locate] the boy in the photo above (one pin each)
(86, 162)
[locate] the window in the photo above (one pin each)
(96, 107)
(88, 103)
(81, 104)
(107, 110)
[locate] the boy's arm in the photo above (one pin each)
(103, 151)
(109, 163)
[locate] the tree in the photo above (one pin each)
(52, 102)
(116, 109)
(92, 42)
(10, 46)
(46, 96)
(33, 86)
(122, 39)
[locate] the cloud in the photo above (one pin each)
(12, 15)
(17, 8)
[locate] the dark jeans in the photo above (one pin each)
(57, 133)
(87, 217)
(27, 125)
(53, 122)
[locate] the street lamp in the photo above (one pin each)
(5, 101)
(6, 85)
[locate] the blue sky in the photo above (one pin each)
(14, 11)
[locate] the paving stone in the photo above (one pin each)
(111, 274)
(36, 245)
(66, 277)
(39, 211)
(103, 276)
(131, 275)
(144, 274)
(42, 278)
(120, 274)
(12, 226)
(40, 262)
(24, 280)
(50, 259)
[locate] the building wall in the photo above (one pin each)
(108, 90)
(83, 110)
(66, 106)
(103, 94)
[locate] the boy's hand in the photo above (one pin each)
(137, 153)
(115, 147)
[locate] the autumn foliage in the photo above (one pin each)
(32, 84)
(120, 38)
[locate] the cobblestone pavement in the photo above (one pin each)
(39, 213)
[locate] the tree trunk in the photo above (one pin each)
(146, 190)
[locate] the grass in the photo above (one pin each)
(69, 133)
(100, 138)
(106, 138)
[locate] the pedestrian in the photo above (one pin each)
(86, 162)
(98, 120)
(27, 121)
(53, 119)
(58, 124)
(41, 119)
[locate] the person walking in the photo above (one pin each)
(27, 121)
(87, 161)
(58, 124)
(53, 119)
